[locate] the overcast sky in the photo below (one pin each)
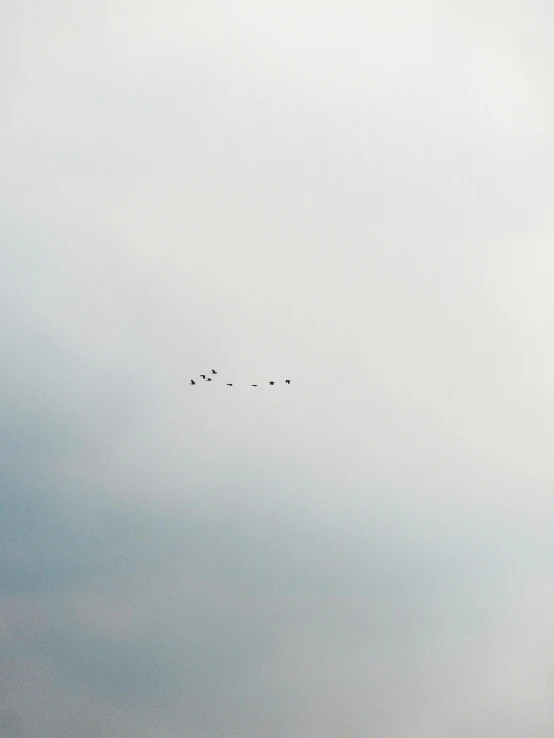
(354, 195)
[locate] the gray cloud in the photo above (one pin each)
(356, 199)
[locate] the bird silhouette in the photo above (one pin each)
(203, 376)
(230, 385)
(253, 385)
(287, 381)
(272, 383)
(209, 379)
(192, 381)
(214, 371)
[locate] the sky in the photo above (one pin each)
(353, 195)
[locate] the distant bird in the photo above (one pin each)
(192, 381)
(209, 379)
(203, 376)
(253, 385)
(229, 385)
(214, 371)
(272, 383)
(287, 381)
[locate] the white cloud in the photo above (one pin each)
(351, 195)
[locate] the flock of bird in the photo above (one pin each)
(229, 384)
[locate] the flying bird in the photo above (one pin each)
(230, 385)
(287, 381)
(253, 385)
(214, 371)
(272, 383)
(203, 376)
(192, 381)
(209, 379)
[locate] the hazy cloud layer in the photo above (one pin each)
(352, 195)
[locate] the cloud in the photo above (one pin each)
(356, 199)
(232, 629)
